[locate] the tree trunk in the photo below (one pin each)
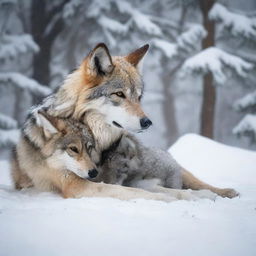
(209, 93)
(41, 19)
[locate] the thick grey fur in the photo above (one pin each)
(131, 164)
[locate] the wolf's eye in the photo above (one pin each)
(140, 97)
(120, 94)
(74, 149)
(89, 147)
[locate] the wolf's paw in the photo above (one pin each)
(228, 192)
(205, 194)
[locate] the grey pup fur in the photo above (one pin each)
(131, 164)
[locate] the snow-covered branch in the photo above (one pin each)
(24, 82)
(214, 60)
(7, 122)
(136, 18)
(13, 45)
(113, 25)
(237, 24)
(169, 49)
(248, 101)
(144, 23)
(70, 8)
(191, 37)
(186, 40)
(247, 126)
(9, 137)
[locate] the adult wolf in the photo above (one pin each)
(106, 92)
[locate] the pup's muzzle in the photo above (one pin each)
(93, 173)
(145, 123)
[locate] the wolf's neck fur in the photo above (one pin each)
(104, 134)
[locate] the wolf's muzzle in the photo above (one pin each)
(145, 123)
(93, 173)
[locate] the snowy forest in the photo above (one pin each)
(199, 73)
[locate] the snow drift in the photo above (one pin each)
(33, 223)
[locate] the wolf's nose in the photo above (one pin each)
(145, 123)
(93, 173)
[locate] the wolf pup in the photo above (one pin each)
(106, 92)
(131, 164)
(55, 154)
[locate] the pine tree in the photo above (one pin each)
(215, 62)
(12, 47)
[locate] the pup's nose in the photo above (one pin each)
(145, 123)
(93, 173)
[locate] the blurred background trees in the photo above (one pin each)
(199, 73)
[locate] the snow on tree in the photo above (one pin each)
(170, 50)
(9, 137)
(14, 47)
(247, 127)
(248, 102)
(191, 37)
(242, 27)
(216, 61)
(7, 122)
(24, 82)
(186, 41)
(236, 24)
(118, 23)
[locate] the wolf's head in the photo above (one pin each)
(113, 86)
(68, 145)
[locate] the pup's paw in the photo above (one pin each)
(228, 192)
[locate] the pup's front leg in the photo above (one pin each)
(74, 187)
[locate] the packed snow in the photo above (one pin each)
(33, 223)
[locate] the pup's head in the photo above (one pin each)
(114, 87)
(68, 146)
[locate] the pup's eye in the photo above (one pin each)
(120, 94)
(74, 149)
(140, 97)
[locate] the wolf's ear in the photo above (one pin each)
(48, 123)
(136, 57)
(100, 60)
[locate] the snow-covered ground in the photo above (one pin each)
(34, 223)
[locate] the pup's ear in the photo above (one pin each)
(48, 123)
(100, 60)
(136, 57)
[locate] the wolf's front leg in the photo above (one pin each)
(186, 194)
(74, 187)
(152, 185)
